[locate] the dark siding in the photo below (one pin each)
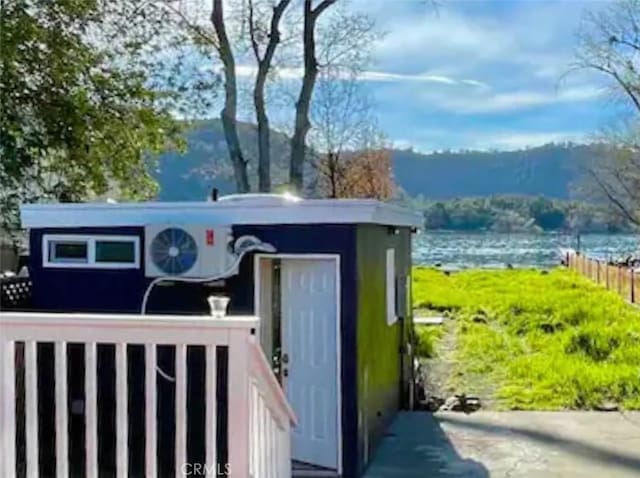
(379, 345)
(121, 291)
(84, 290)
(320, 239)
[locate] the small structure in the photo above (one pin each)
(330, 280)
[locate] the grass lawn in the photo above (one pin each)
(543, 341)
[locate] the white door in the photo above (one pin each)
(309, 340)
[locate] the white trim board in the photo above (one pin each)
(256, 308)
(308, 211)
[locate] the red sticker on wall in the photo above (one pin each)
(210, 237)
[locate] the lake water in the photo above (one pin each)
(455, 250)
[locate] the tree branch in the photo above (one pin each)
(321, 7)
(229, 111)
(252, 33)
(614, 200)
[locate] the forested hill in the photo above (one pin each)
(549, 171)
(544, 171)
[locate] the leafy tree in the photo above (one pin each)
(87, 91)
(546, 214)
(436, 216)
(519, 214)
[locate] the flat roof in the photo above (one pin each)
(252, 210)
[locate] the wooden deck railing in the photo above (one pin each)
(258, 415)
(621, 279)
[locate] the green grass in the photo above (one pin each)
(426, 339)
(544, 341)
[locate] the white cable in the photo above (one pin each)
(233, 268)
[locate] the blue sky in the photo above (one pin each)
(480, 74)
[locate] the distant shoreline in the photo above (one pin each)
(531, 233)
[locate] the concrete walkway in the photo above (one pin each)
(510, 444)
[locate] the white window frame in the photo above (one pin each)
(390, 286)
(90, 239)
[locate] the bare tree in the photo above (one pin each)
(610, 45)
(302, 123)
(264, 60)
(614, 175)
(343, 122)
(369, 174)
(352, 159)
(340, 112)
(229, 111)
(248, 35)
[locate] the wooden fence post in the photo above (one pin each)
(620, 284)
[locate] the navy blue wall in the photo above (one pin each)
(121, 291)
(84, 290)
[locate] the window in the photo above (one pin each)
(97, 252)
(391, 286)
(74, 252)
(115, 251)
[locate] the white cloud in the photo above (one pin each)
(486, 102)
(286, 73)
(523, 139)
(433, 139)
(386, 76)
(517, 42)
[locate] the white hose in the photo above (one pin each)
(231, 270)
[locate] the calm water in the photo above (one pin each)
(490, 250)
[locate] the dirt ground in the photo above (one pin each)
(441, 376)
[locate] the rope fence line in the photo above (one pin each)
(623, 280)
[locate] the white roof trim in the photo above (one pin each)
(309, 211)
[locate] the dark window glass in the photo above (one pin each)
(115, 251)
(68, 251)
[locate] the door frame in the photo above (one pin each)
(256, 308)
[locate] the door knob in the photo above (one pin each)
(285, 358)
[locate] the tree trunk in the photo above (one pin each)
(302, 123)
(264, 64)
(264, 137)
(229, 111)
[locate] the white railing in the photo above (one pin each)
(259, 417)
(270, 418)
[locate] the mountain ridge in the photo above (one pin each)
(550, 170)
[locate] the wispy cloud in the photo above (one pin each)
(425, 77)
(523, 139)
(510, 101)
(432, 139)
(286, 73)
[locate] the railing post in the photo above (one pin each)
(31, 408)
(62, 418)
(239, 403)
(7, 407)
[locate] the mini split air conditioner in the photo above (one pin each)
(187, 250)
